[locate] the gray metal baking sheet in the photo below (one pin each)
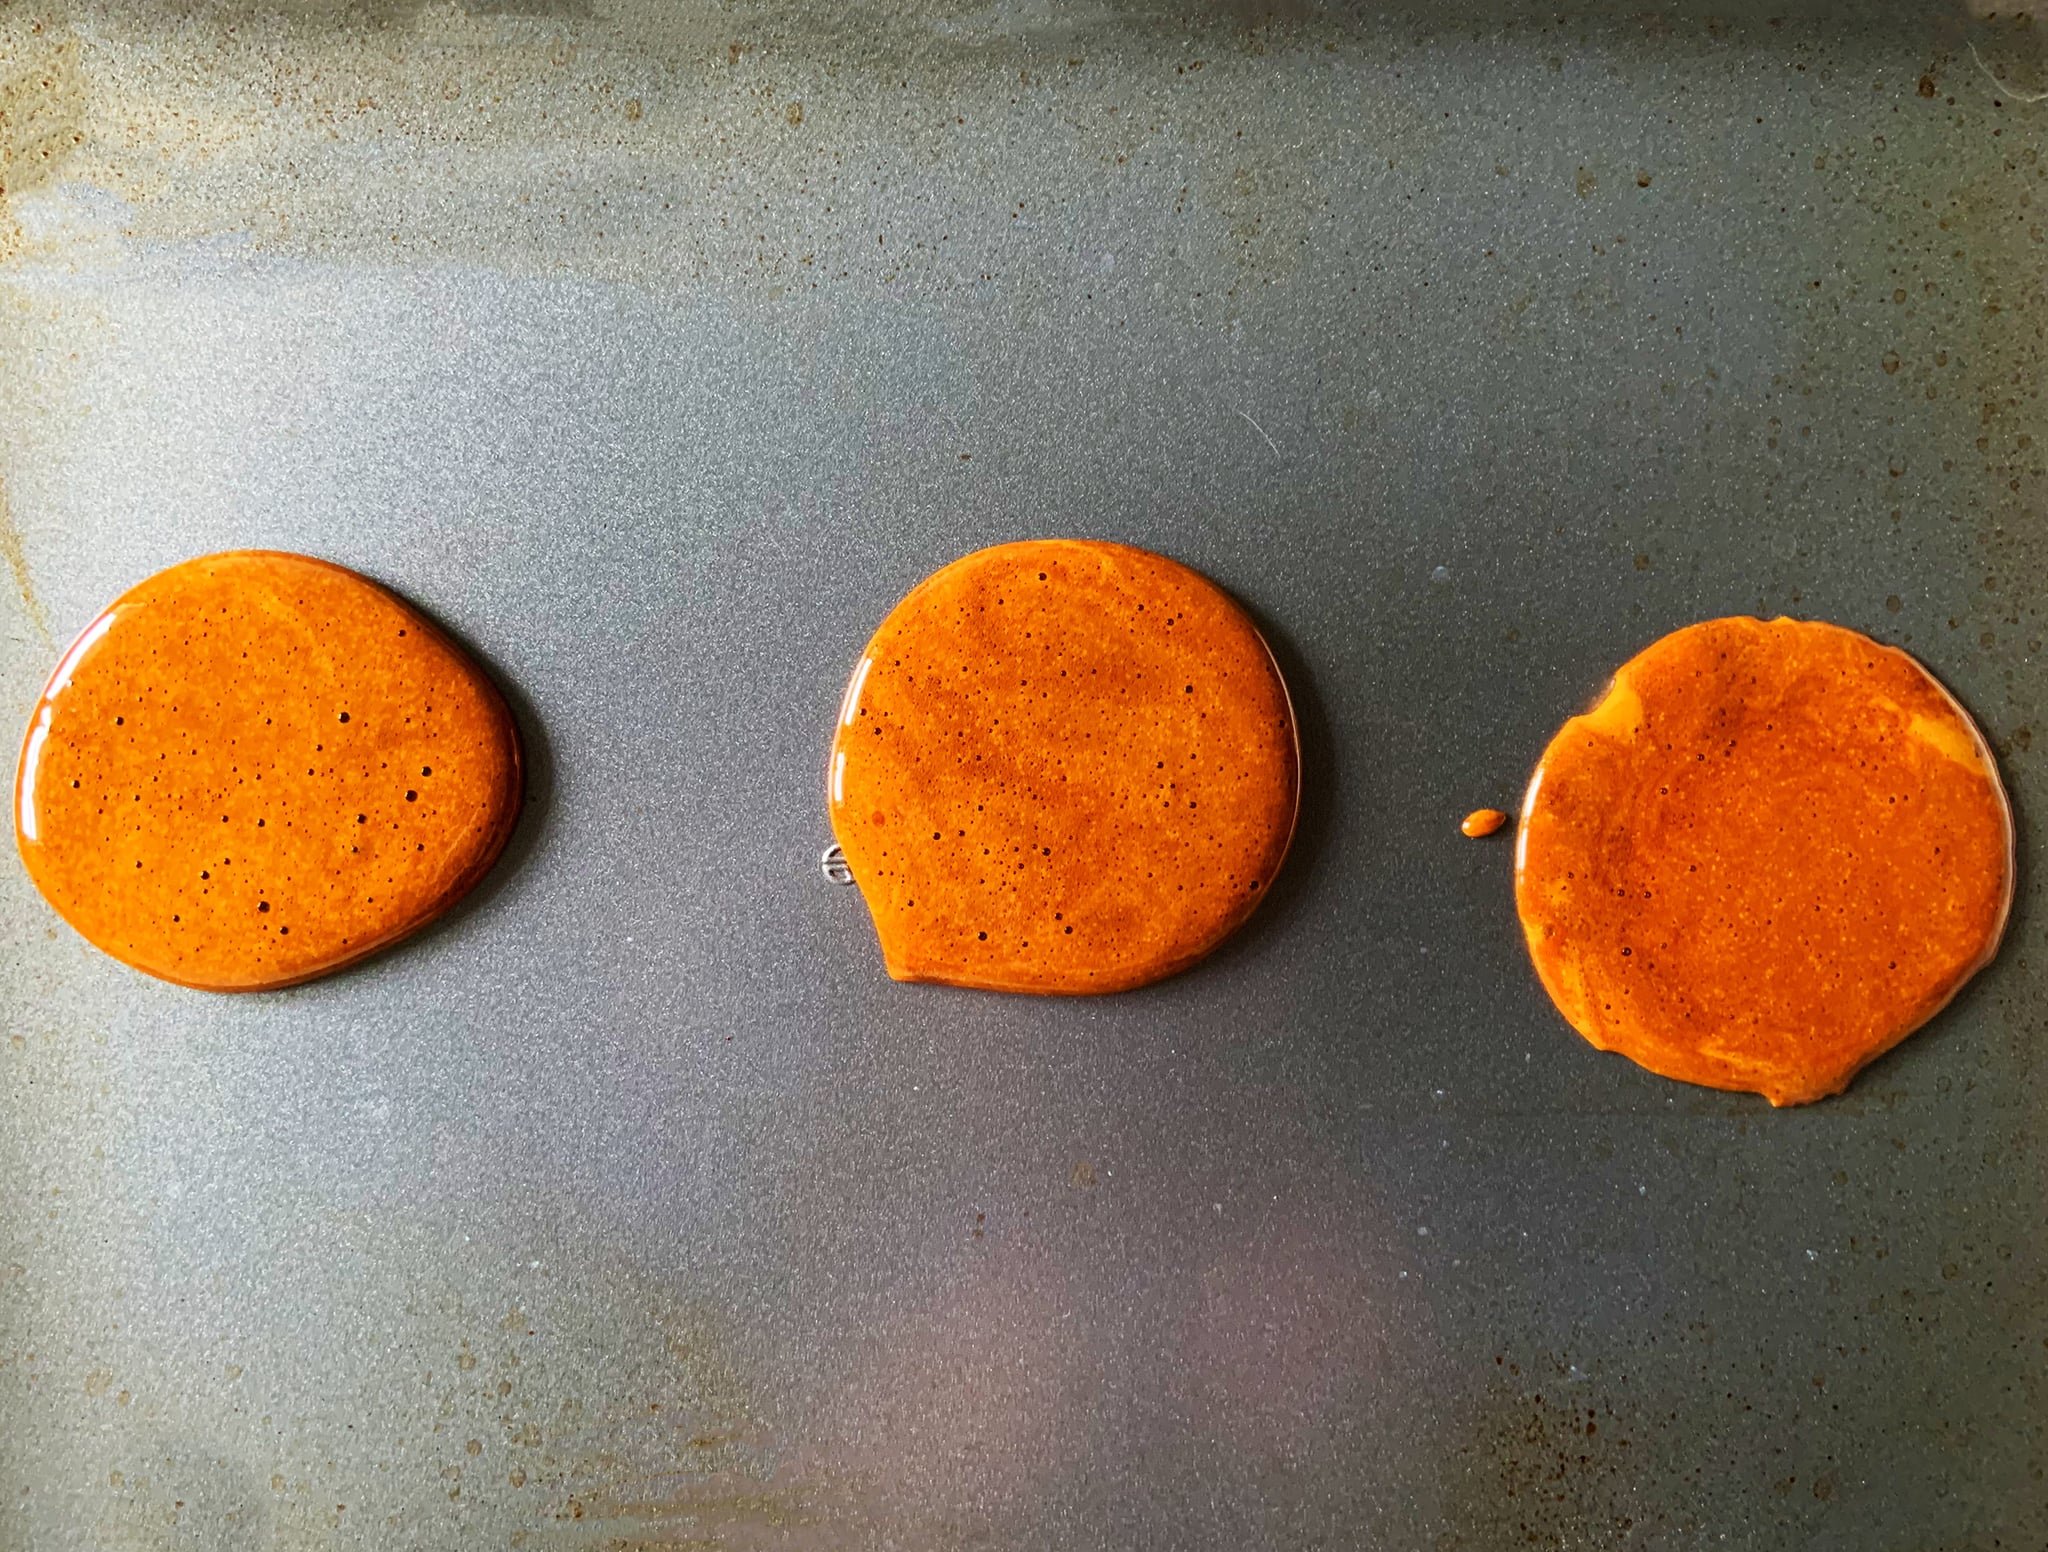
(656, 351)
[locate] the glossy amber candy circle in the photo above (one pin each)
(256, 767)
(1771, 852)
(1062, 766)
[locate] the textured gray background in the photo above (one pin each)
(657, 352)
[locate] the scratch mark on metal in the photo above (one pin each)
(2002, 86)
(17, 562)
(1262, 433)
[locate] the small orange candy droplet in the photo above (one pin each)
(1483, 821)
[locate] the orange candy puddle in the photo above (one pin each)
(1770, 853)
(256, 767)
(1062, 766)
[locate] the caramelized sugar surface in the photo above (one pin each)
(255, 767)
(1062, 766)
(1771, 852)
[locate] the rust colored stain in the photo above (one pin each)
(1769, 854)
(1062, 766)
(1482, 821)
(255, 768)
